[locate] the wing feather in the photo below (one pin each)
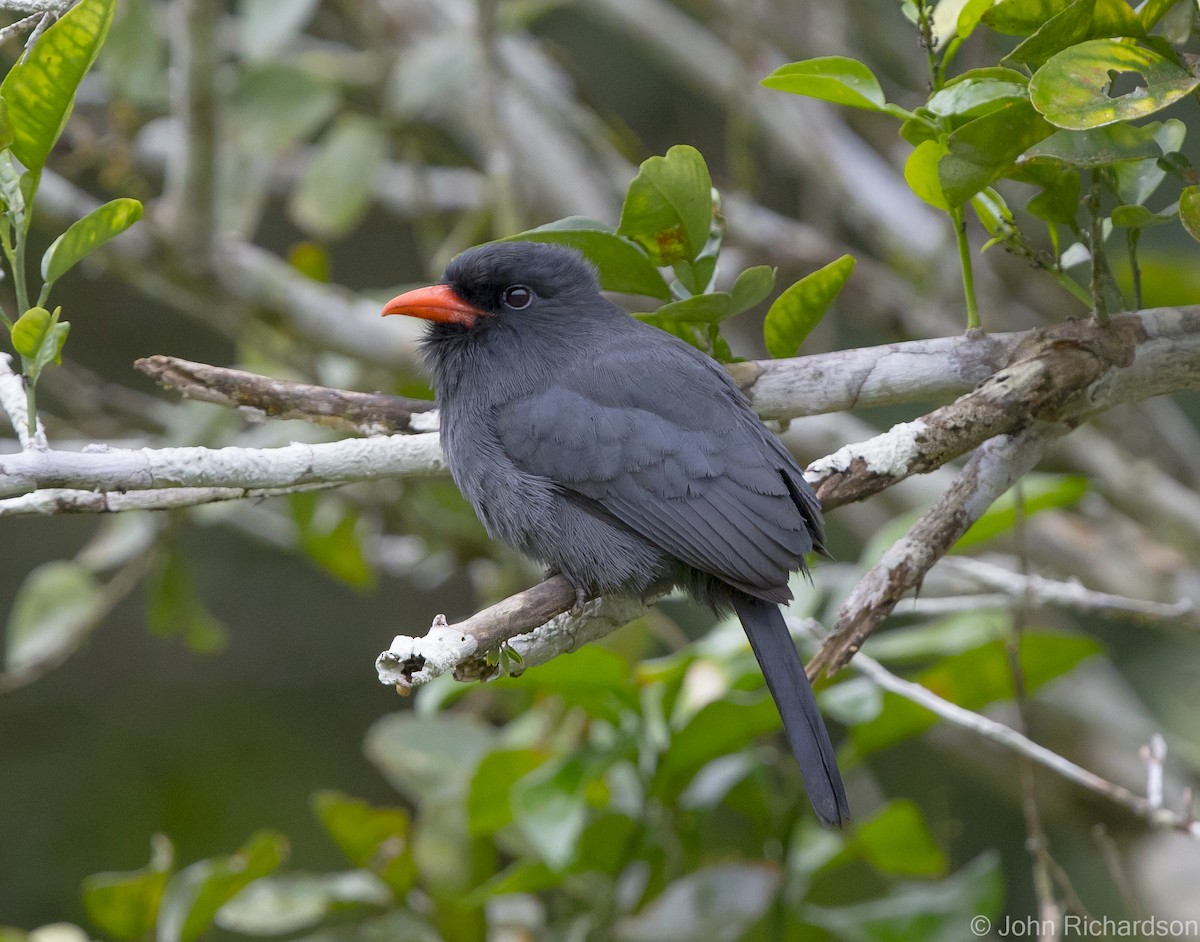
(658, 437)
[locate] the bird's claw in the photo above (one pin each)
(581, 597)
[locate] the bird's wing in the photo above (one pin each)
(658, 436)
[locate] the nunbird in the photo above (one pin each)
(622, 458)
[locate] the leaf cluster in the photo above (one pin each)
(1054, 115)
(671, 222)
(36, 98)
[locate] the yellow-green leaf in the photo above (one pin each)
(89, 233)
(30, 330)
(800, 308)
(1189, 210)
(921, 172)
(1072, 89)
(668, 207)
(40, 89)
(836, 79)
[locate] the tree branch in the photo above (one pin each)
(991, 471)
(366, 413)
(1009, 738)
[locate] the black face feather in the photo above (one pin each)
(487, 276)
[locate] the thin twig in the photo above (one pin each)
(1042, 591)
(1011, 739)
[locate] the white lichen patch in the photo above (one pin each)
(424, 421)
(890, 454)
(443, 648)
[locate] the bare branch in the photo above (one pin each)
(366, 413)
(1042, 591)
(66, 501)
(1011, 739)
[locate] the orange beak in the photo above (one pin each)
(435, 303)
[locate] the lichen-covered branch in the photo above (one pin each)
(992, 470)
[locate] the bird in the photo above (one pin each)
(621, 458)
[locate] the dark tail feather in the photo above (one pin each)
(784, 671)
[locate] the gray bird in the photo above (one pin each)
(622, 458)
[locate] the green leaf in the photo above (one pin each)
(993, 213)
(196, 893)
(1189, 210)
(1083, 19)
(1038, 492)
(375, 839)
(971, 97)
(40, 89)
(973, 679)
(335, 191)
(51, 349)
(6, 128)
(712, 904)
(1136, 216)
(800, 308)
(87, 234)
(550, 808)
(921, 172)
(896, 841)
(718, 728)
(668, 207)
(55, 607)
(984, 149)
(329, 534)
(125, 905)
(174, 608)
(1096, 147)
(1072, 89)
(1137, 182)
(30, 331)
(427, 758)
(698, 309)
(1059, 199)
(750, 287)
(1022, 17)
(835, 79)
(594, 678)
(489, 802)
(621, 263)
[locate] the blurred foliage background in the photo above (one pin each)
(213, 672)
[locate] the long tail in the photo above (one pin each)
(784, 671)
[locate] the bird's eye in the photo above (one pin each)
(518, 297)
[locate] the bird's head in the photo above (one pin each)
(501, 282)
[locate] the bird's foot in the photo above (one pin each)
(581, 597)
